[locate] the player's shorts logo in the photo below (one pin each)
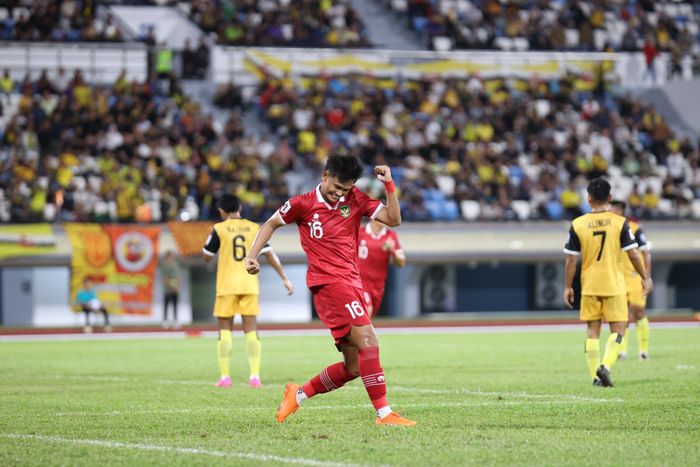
(345, 211)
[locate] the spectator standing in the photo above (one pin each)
(170, 276)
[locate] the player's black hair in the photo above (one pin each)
(229, 203)
(346, 167)
(618, 203)
(599, 190)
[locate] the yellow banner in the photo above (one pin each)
(120, 260)
(190, 236)
(26, 239)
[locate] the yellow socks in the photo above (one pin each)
(254, 352)
(223, 348)
(612, 349)
(623, 346)
(643, 335)
(593, 356)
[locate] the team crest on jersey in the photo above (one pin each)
(345, 211)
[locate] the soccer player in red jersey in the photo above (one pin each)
(378, 245)
(329, 219)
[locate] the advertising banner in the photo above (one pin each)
(26, 239)
(190, 236)
(121, 262)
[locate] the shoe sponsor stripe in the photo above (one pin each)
(174, 449)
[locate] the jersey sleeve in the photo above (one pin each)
(369, 206)
(573, 244)
(627, 240)
(641, 239)
(211, 246)
(291, 211)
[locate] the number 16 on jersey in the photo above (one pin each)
(355, 309)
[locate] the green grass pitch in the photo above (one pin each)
(494, 398)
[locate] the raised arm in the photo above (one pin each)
(390, 216)
(276, 264)
(264, 234)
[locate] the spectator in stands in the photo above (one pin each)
(330, 23)
(650, 53)
(170, 277)
(7, 84)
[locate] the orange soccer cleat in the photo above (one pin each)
(289, 402)
(394, 419)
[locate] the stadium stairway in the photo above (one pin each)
(679, 103)
(384, 29)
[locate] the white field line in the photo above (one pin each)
(174, 449)
(307, 406)
(472, 392)
(324, 332)
(525, 395)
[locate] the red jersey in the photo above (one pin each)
(374, 257)
(328, 234)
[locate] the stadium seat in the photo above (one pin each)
(614, 173)
(522, 208)
(600, 37)
(653, 18)
(434, 209)
(399, 5)
(622, 187)
(666, 207)
(446, 184)
(521, 44)
(572, 38)
(555, 211)
(471, 210)
(504, 43)
(420, 23)
(451, 212)
(695, 209)
(442, 44)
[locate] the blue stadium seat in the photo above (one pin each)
(555, 211)
(451, 211)
(420, 23)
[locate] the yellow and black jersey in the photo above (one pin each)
(600, 238)
(643, 244)
(232, 239)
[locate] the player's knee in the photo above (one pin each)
(370, 338)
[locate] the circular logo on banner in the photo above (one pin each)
(133, 251)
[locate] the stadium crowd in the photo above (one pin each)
(138, 151)
(479, 149)
(283, 23)
(500, 149)
(557, 25)
(56, 21)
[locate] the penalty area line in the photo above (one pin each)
(174, 450)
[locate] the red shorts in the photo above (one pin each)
(373, 300)
(340, 306)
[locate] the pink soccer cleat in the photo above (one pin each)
(255, 382)
(224, 382)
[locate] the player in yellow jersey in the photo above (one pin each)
(600, 238)
(635, 298)
(237, 291)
